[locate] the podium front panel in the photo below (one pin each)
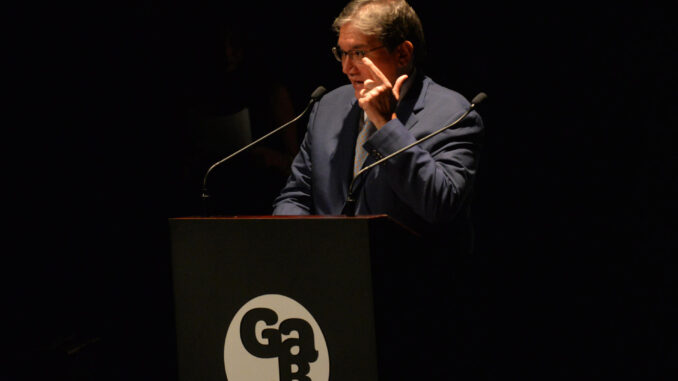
(323, 264)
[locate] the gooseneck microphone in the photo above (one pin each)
(349, 206)
(315, 96)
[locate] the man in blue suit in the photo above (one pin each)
(389, 104)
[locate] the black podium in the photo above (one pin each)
(322, 278)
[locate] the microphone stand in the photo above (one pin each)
(317, 94)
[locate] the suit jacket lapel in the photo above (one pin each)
(344, 156)
(413, 102)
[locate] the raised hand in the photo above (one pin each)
(379, 97)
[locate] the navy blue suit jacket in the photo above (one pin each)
(426, 187)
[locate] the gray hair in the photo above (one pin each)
(391, 21)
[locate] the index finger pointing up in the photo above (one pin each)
(376, 73)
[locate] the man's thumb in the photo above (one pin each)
(398, 85)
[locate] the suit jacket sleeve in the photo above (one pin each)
(433, 178)
(296, 197)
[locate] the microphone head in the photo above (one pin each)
(318, 93)
(478, 98)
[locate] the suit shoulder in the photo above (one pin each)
(341, 94)
(442, 96)
(333, 104)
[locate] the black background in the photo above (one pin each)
(572, 204)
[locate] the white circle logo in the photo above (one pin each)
(272, 337)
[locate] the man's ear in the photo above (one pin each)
(404, 53)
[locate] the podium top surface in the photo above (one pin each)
(269, 217)
(371, 217)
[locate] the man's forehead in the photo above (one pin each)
(352, 38)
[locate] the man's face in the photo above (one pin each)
(351, 39)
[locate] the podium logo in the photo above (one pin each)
(272, 337)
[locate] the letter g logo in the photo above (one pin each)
(274, 337)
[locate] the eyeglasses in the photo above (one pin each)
(352, 54)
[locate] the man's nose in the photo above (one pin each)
(347, 65)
